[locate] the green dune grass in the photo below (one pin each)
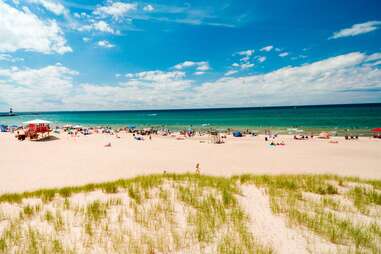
(170, 213)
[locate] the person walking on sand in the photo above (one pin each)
(198, 168)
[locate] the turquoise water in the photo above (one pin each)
(360, 117)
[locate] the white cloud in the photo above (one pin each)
(283, 54)
(246, 66)
(374, 57)
(150, 89)
(157, 76)
(116, 10)
(86, 39)
(105, 44)
(267, 48)
(243, 66)
(200, 66)
(22, 30)
(36, 89)
(148, 8)
(261, 59)
(357, 29)
(103, 27)
(341, 79)
(100, 26)
(51, 5)
(376, 63)
(338, 79)
(9, 58)
(246, 53)
(198, 73)
(230, 72)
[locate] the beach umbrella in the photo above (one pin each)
(376, 130)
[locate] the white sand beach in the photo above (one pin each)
(64, 161)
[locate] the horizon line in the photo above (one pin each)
(202, 108)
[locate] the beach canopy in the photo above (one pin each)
(376, 130)
(36, 121)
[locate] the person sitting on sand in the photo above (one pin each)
(108, 144)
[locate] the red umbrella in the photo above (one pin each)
(376, 130)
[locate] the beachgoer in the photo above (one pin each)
(198, 168)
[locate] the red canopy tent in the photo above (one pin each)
(377, 132)
(36, 127)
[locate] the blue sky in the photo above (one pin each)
(88, 55)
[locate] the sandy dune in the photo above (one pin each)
(71, 161)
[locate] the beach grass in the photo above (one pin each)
(175, 213)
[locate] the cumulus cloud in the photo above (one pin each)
(247, 53)
(116, 10)
(200, 66)
(105, 44)
(36, 89)
(243, 66)
(150, 89)
(261, 59)
(100, 26)
(283, 54)
(148, 8)
(267, 48)
(357, 29)
(9, 58)
(51, 5)
(346, 78)
(22, 30)
(307, 84)
(230, 72)
(245, 60)
(157, 76)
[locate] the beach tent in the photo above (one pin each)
(324, 135)
(36, 127)
(377, 132)
(237, 134)
(36, 121)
